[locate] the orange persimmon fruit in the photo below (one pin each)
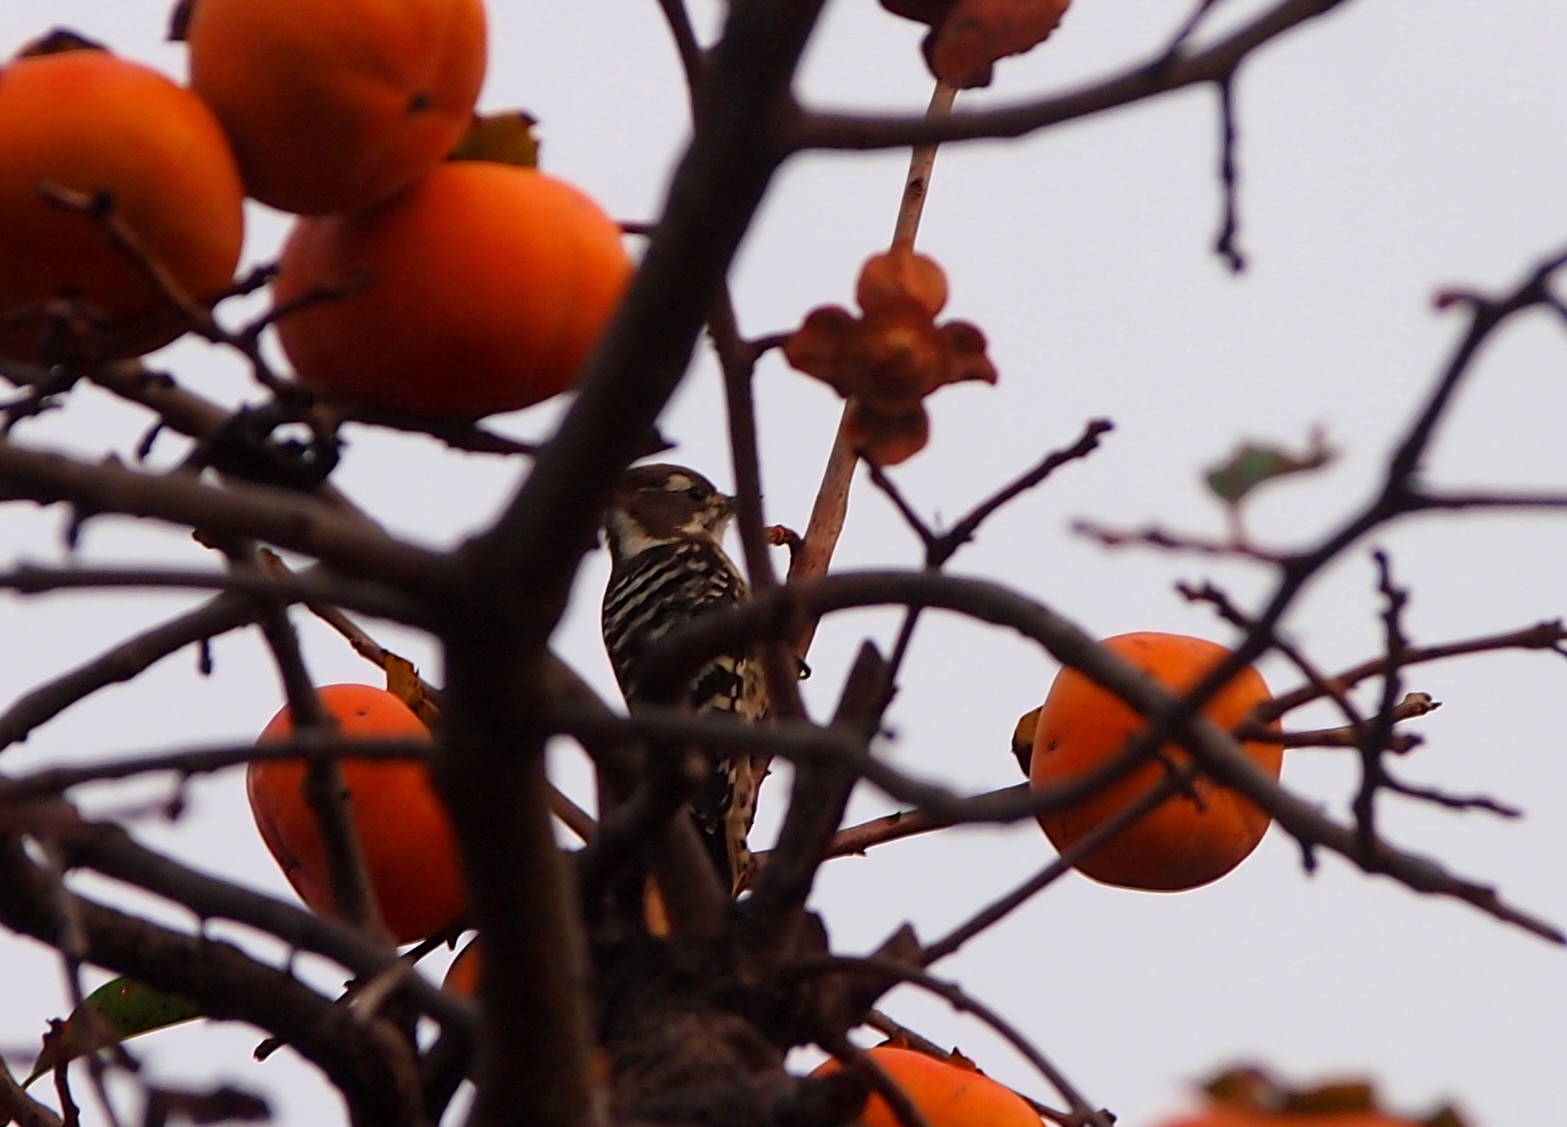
(947, 1095)
(410, 855)
(1189, 839)
(335, 104)
(483, 289)
(152, 156)
(462, 977)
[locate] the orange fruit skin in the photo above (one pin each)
(410, 856)
(1181, 843)
(334, 104)
(946, 1095)
(487, 287)
(87, 121)
(462, 977)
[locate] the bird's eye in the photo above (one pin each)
(697, 493)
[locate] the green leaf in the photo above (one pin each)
(119, 1009)
(1254, 464)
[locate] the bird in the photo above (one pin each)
(664, 528)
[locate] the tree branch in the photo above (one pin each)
(1169, 717)
(533, 1066)
(286, 519)
(1161, 74)
(219, 615)
(109, 850)
(358, 1055)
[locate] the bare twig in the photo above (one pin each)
(275, 516)
(916, 185)
(370, 598)
(324, 790)
(1002, 907)
(453, 433)
(19, 1107)
(227, 982)
(780, 665)
(304, 745)
(820, 794)
(1542, 636)
(1189, 28)
(1229, 180)
(1169, 717)
(108, 849)
(1160, 538)
(1451, 801)
(572, 816)
(219, 615)
(963, 531)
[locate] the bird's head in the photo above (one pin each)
(662, 504)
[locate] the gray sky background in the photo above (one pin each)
(1390, 149)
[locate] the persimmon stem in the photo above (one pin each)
(921, 162)
(832, 496)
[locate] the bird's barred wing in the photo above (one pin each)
(651, 593)
(658, 589)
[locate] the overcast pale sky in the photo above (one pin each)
(1392, 148)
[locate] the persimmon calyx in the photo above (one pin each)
(968, 37)
(888, 359)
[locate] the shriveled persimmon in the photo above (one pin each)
(1220, 1115)
(148, 153)
(410, 856)
(1190, 838)
(334, 104)
(947, 1095)
(484, 287)
(1252, 1097)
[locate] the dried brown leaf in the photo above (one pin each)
(963, 48)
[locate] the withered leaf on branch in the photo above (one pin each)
(1251, 1091)
(886, 361)
(968, 36)
(404, 683)
(1256, 463)
(500, 138)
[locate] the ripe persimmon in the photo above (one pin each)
(334, 104)
(410, 856)
(947, 1095)
(462, 977)
(485, 286)
(1189, 839)
(112, 131)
